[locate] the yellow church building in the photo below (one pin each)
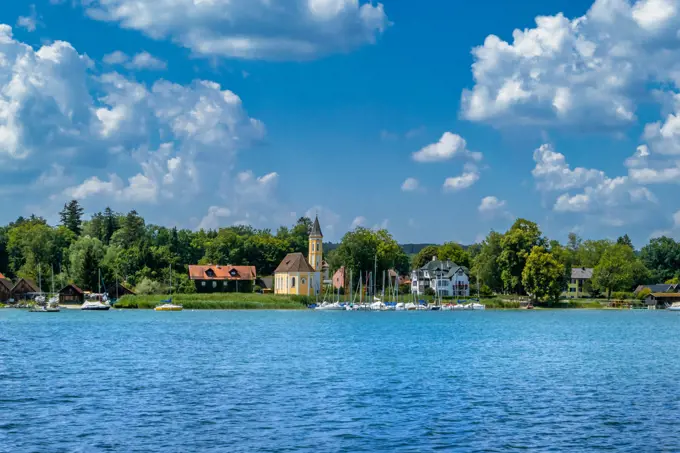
(298, 276)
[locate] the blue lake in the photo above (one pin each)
(143, 381)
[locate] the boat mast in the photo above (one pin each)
(350, 285)
(39, 279)
(383, 288)
(375, 273)
(52, 268)
(361, 289)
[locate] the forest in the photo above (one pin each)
(124, 247)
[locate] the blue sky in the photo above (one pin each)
(370, 114)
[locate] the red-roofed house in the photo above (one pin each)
(223, 279)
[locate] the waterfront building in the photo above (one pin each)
(71, 294)
(24, 289)
(297, 275)
(118, 290)
(5, 289)
(664, 288)
(579, 285)
(445, 278)
(223, 279)
(661, 300)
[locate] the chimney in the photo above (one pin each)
(434, 258)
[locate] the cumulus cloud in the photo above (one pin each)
(449, 146)
(553, 172)
(140, 61)
(584, 72)
(30, 22)
(491, 204)
(282, 30)
(469, 177)
(600, 192)
(410, 185)
(162, 144)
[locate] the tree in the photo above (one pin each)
(486, 262)
(71, 216)
(362, 250)
(543, 275)
(625, 240)
(516, 246)
(426, 254)
(662, 258)
(615, 271)
(590, 252)
(454, 252)
(86, 255)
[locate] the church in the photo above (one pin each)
(296, 275)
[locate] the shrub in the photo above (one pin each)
(148, 286)
(257, 289)
(642, 295)
(621, 295)
(429, 292)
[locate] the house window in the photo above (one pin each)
(302, 280)
(224, 283)
(572, 290)
(203, 283)
(292, 282)
(214, 284)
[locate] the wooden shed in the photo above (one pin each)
(118, 290)
(24, 289)
(5, 290)
(71, 294)
(660, 300)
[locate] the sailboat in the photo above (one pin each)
(98, 304)
(168, 305)
(41, 304)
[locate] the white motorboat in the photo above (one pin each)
(377, 306)
(95, 305)
(674, 307)
(422, 307)
(447, 307)
(400, 307)
(459, 307)
(477, 306)
(410, 306)
(328, 306)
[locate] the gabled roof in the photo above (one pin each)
(30, 285)
(583, 273)
(664, 295)
(218, 272)
(455, 269)
(294, 262)
(316, 228)
(77, 290)
(658, 288)
(7, 283)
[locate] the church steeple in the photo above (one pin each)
(316, 246)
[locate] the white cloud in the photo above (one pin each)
(410, 185)
(286, 29)
(448, 147)
(141, 61)
(491, 204)
(214, 218)
(553, 172)
(586, 72)
(600, 193)
(464, 181)
(358, 222)
(30, 23)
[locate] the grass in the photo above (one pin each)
(224, 301)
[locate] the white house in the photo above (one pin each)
(446, 278)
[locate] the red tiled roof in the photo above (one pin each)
(212, 272)
(2, 277)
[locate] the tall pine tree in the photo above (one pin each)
(71, 217)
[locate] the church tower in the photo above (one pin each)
(316, 246)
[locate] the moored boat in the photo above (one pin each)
(674, 307)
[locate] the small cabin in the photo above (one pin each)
(71, 294)
(24, 289)
(661, 300)
(5, 290)
(118, 290)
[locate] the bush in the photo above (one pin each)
(429, 292)
(405, 288)
(642, 295)
(621, 295)
(257, 289)
(485, 291)
(148, 286)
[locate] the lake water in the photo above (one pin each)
(143, 381)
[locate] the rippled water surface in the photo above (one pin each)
(142, 381)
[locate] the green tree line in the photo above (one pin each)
(124, 247)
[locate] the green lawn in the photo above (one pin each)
(225, 301)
